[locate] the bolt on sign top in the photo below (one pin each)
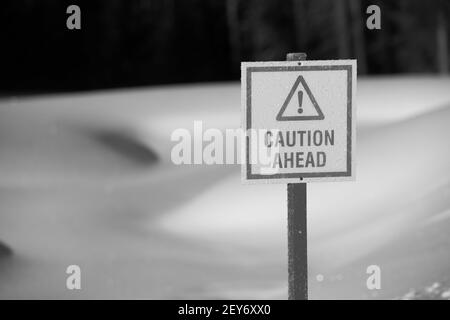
(299, 118)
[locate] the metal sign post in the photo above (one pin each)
(297, 242)
(297, 231)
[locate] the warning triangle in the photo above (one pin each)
(300, 104)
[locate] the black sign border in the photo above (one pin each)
(298, 175)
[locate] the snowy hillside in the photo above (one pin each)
(87, 179)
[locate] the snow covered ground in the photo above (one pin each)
(87, 179)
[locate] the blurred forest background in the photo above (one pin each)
(146, 42)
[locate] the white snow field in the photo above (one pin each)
(87, 179)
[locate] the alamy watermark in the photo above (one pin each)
(73, 22)
(373, 22)
(267, 147)
(73, 281)
(213, 146)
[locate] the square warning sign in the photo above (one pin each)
(299, 119)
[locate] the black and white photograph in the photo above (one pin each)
(224, 150)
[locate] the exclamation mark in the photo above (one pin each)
(300, 100)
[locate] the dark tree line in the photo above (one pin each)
(141, 42)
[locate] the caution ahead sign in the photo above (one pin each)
(299, 117)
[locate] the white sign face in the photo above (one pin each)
(299, 117)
